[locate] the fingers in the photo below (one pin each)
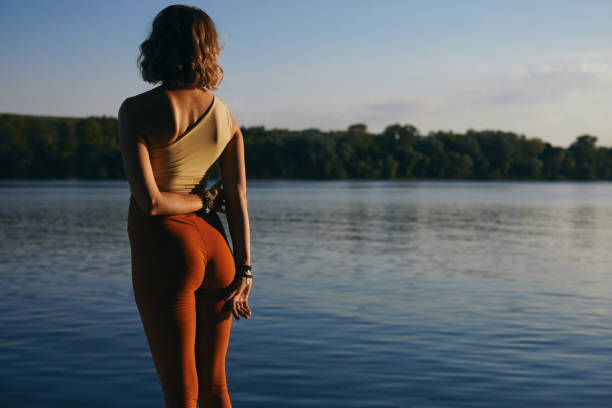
(237, 299)
(235, 311)
(243, 309)
(217, 197)
(246, 310)
(239, 308)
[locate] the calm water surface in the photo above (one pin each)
(367, 294)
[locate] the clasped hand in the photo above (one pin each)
(216, 196)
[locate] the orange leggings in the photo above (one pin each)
(182, 266)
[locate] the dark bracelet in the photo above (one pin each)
(244, 274)
(246, 267)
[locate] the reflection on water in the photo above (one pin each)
(368, 294)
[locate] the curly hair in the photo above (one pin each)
(182, 49)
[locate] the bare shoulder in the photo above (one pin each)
(134, 103)
(143, 111)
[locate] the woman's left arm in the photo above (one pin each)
(139, 172)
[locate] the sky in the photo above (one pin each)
(538, 68)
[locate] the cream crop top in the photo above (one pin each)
(182, 166)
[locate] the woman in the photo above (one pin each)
(187, 281)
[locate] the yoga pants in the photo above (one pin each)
(182, 266)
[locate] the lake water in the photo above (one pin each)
(367, 294)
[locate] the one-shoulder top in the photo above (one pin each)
(182, 166)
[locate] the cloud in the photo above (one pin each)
(535, 84)
(555, 97)
(558, 78)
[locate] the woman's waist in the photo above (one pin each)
(135, 208)
(139, 222)
(135, 211)
(183, 184)
(143, 224)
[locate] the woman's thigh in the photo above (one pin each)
(213, 320)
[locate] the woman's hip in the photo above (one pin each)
(181, 248)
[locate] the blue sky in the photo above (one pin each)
(540, 68)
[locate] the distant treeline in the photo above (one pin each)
(87, 148)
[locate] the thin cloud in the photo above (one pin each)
(555, 98)
(548, 83)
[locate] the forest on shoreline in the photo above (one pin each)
(44, 147)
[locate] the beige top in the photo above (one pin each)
(182, 166)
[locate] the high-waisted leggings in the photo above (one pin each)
(182, 266)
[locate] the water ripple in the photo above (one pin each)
(369, 294)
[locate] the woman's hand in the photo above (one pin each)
(216, 195)
(237, 299)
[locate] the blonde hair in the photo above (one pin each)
(182, 49)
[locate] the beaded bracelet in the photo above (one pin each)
(205, 201)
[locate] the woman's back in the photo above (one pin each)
(186, 132)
